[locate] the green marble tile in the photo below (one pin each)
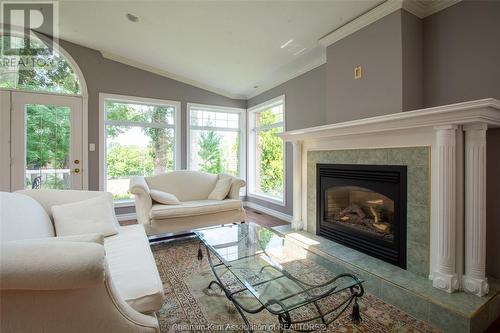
(481, 322)
(418, 188)
(405, 300)
(418, 223)
(494, 308)
(446, 320)
(416, 156)
(418, 258)
(370, 156)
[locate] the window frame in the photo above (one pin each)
(252, 130)
(103, 97)
(241, 130)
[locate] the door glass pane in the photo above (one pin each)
(47, 146)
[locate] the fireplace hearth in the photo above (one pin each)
(364, 207)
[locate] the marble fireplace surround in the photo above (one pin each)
(418, 208)
(456, 137)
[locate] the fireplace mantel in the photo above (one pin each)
(456, 134)
(485, 111)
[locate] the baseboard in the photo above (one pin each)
(269, 211)
(126, 217)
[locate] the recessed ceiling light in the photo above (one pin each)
(132, 18)
(286, 44)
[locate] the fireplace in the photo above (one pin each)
(364, 207)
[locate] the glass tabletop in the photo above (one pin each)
(281, 274)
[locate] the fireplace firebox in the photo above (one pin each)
(364, 207)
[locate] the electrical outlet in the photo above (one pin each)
(357, 72)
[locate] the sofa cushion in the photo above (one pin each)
(190, 208)
(164, 197)
(186, 185)
(133, 269)
(96, 215)
(221, 189)
(22, 217)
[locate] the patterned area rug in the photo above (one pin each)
(191, 307)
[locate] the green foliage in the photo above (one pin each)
(265, 236)
(161, 138)
(51, 72)
(271, 156)
(126, 161)
(47, 136)
(210, 152)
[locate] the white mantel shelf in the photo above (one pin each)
(456, 136)
(486, 111)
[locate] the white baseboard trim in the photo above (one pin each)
(269, 211)
(126, 217)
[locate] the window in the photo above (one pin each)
(266, 151)
(216, 139)
(140, 139)
(51, 72)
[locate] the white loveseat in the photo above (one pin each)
(83, 283)
(192, 188)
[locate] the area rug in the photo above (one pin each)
(191, 307)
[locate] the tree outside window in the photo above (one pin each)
(214, 144)
(267, 148)
(140, 141)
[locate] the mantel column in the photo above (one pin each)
(297, 223)
(475, 280)
(445, 275)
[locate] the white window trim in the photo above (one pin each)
(102, 137)
(242, 130)
(251, 192)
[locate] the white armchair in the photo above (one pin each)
(195, 210)
(74, 283)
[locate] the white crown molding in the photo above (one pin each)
(154, 70)
(419, 8)
(309, 67)
(485, 111)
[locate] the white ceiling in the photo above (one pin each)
(224, 46)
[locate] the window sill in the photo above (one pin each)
(120, 204)
(267, 198)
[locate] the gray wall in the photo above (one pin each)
(305, 103)
(412, 57)
(377, 48)
(462, 53)
(107, 76)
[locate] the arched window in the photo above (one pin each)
(45, 71)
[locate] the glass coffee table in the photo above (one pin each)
(257, 269)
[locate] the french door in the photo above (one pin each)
(46, 146)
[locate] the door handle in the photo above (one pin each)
(76, 170)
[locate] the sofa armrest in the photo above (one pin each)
(138, 185)
(236, 185)
(51, 265)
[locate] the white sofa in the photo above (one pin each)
(192, 188)
(84, 283)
